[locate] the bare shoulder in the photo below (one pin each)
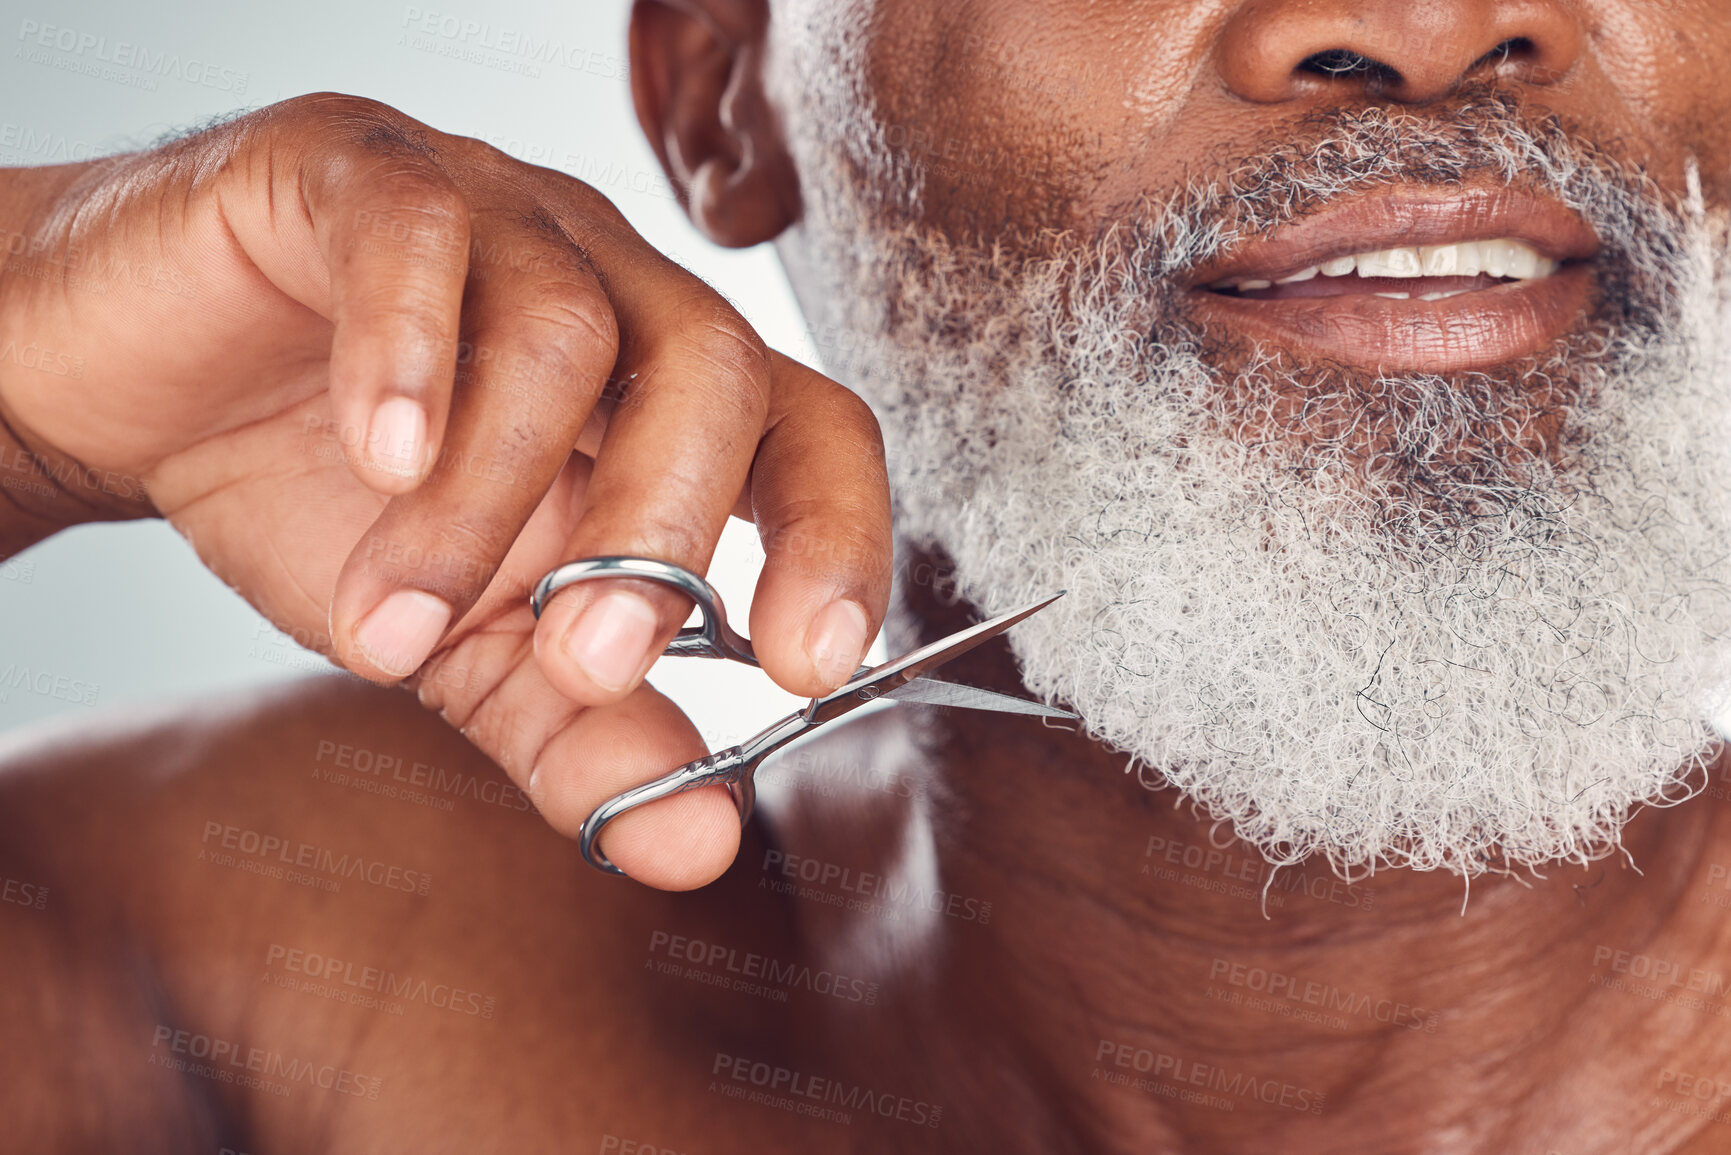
(318, 909)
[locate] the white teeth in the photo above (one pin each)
(1389, 263)
(1440, 260)
(1396, 296)
(1523, 263)
(1498, 258)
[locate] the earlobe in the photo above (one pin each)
(737, 205)
(696, 79)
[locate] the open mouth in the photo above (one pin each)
(1417, 272)
(1409, 280)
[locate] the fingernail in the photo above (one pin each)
(611, 638)
(836, 641)
(402, 630)
(396, 437)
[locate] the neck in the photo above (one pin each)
(1154, 979)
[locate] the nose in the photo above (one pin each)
(1410, 51)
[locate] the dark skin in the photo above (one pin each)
(1518, 1026)
(1526, 1053)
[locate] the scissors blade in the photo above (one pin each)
(900, 671)
(935, 692)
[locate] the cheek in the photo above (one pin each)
(1034, 114)
(1668, 64)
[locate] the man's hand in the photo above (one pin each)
(383, 378)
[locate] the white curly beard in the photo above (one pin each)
(1363, 648)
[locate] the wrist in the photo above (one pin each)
(42, 491)
(31, 507)
(27, 197)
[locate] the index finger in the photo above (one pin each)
(363, 226)
(676, 453)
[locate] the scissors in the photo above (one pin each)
(900, 679)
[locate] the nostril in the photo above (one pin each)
(1343, 62)
(1516, 48)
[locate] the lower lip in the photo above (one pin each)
(1475, 330)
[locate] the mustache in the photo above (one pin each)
(1429, 455)
(1482, 134)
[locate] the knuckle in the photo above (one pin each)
(572, 332)
(414, 191)
(683, 538)
(472, 535)
(343, 105)
(721, 339)
(851, 411)
(581, 308)
(459, 563)
(368, 127)
(666, 528)
(410, 212)
(587, 208)
(477, 154)
(824, 536)
(404, 308)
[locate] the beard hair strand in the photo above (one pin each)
(1447, 621)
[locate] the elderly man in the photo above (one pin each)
(1358, 369)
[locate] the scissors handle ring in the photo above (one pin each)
(735, 766)
(712, 639)
(732, 768)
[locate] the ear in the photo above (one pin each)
(697, 82)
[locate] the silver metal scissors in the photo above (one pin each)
(900, 679)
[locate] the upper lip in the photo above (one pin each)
(1405, 215)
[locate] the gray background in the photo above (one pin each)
(123, 613)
